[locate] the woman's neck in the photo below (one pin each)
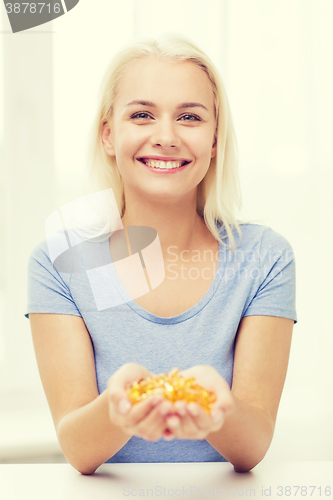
(177, 225)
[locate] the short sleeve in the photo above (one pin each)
(47, 289)
(275, 293)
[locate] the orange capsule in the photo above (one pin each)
(173, 387)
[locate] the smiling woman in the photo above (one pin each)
(200, 102)
(163, 141)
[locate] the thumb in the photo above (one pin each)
(120, 401)
(124, 406)
(118, 397)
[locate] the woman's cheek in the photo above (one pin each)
(132, 143)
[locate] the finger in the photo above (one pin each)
(120, 404)
(167, 409)
(180, 408)
(140, 411)
(122, 379)
(217, 414)
(168, 435)
(152, 427)
(183, 427)
(218, 418)
(198, 422)
(173, 424)
(195, 425)
(206, 422)
(134, 415)
(201, 419)
(225, 403)
(129, 373)
(174, 417)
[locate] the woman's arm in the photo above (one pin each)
(243, 431)
(66, 364)
(245, 436)
(90, 427)
(260, 367)
(87, 436)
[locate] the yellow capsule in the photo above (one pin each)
(173, 387)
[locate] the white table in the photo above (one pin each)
(186, 480)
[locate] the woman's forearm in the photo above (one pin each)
(245, 436)
(88, 438)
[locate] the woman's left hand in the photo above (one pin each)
(189, 420)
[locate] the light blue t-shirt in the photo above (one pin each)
(258, 279)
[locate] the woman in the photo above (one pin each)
(163, 140)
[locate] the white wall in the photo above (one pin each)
(274, 57)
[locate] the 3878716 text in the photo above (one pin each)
(32, 8)
(299, 491)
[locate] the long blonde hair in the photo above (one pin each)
(218, 194)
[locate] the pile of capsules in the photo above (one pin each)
(173, 387)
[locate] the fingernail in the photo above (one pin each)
(124, 405)
(173, 423)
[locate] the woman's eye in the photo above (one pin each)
(145, 116)
(141, 115)
(191, 118)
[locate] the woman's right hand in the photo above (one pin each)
(142, 419)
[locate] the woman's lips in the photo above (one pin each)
(164, 170)
(147, 159)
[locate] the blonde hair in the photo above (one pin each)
(218, 194)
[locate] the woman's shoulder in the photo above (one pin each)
(39, 251)
(68, 252)
(254, 234)
(266, 234)
(47, 250)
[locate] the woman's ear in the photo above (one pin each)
(106, 139)
(214, 147)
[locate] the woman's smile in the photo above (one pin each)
(164, 164)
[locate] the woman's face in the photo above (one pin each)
(163, 117)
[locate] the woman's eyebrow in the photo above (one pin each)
(180, 106)
(191, 105)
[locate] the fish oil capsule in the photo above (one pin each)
(172, 387)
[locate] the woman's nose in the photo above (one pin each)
(165, 134)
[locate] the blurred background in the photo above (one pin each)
(275, 58)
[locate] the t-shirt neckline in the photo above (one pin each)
(140, 311)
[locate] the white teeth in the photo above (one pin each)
(163, 164)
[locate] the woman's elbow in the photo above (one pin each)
(250, 462)
(86, 472)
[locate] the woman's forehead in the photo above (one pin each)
(145, 78)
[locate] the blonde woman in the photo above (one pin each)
(164, 142)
